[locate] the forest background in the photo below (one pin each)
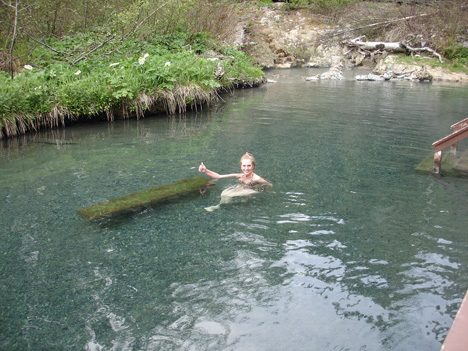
(69, 60)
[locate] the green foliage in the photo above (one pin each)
(457, 53)
(104, 82)
(262, 3)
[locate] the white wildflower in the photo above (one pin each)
(28, 67)
(52, 73)
(77, 73)
(114, 64)
(167, 64)
(142, 59)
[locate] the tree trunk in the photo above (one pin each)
(13, 39)
(86, 15)
(376, 45)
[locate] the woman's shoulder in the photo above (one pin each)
(257, 178)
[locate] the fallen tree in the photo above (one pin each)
(380, 47)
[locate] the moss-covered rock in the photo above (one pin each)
(452, 165)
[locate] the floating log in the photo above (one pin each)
(144, 198)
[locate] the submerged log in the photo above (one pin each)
(144, 198)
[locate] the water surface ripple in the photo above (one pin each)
(352, 251)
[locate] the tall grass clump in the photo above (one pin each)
(458, 53)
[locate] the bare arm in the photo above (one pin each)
(263, 181)
(202, 168)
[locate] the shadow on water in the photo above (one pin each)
(353, 250)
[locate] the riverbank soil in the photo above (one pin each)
(280, 38)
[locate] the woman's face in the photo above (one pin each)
(247, 166)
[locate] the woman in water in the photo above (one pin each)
(250, 183)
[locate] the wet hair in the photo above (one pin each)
(248, 156)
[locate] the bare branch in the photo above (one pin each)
(47, 46)
(82, 57)
(331, 35)
(7, 3)
(433, 52)
(143, 21)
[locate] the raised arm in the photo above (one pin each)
(202, 168)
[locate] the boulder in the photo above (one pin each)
(370, 77)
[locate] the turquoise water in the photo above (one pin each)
(353, 250)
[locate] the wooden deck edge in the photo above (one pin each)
(459, 125)
(457, 337)
(451, 139)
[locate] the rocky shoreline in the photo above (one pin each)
(281, 39)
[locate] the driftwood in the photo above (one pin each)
(400, 46)
(427, 49)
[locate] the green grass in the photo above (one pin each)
(451, 65)
(170, 72)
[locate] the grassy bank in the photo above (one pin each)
(164, 75)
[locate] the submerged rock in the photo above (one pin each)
(334, 73)
(421, 75)
(452, 165)
(369, 77)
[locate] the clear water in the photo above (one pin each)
(353, 250)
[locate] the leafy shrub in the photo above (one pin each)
(458, 53)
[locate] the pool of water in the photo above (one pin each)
(352, 251)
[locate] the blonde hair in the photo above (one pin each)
(248, 156)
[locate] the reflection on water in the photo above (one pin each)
(353, 250)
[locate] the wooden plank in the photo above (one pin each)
(451, 139)
(459, 125)
(457, 337)
(143, 198)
